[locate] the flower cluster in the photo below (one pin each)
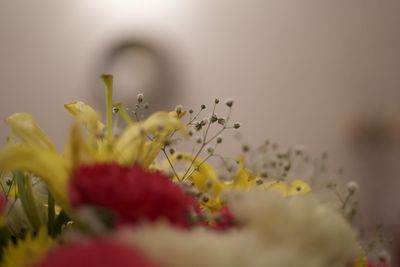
(127, 195)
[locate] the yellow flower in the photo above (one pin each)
(139, 143)
(205, 178)
(28, 251)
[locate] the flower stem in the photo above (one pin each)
(28, 201)
(108, 84)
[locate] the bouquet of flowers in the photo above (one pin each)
(124, 194)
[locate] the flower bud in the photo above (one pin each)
(140, 97)
(178, 109)
(352, 187)
(229, 102)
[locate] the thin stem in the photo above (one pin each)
(201, 163)
(195, 117)
(206, 142)
(170, 163)
(124, 115)
(209, 124)
(108, 84)
(192, 161)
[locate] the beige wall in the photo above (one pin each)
(302, 72)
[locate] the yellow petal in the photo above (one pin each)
(124, 115)
(128, 146)
(78, 150)
(28, 251)
(133, 147)
(298, 187)
(25, 127)
(86, 115)
(243, 178)
(49, 165)
(164, 122)
(277, 185)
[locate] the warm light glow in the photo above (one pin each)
(140, 10)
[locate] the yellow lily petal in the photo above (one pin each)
(205, 180)
(298, 187)
(130, 147)
(86, 115)
(164, 122)
(243, 178)
(124, 115)
(78, 151)
(277, 185)
(49, 165)
(25, 127)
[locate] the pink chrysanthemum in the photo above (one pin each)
(131, 193)
(99, 253)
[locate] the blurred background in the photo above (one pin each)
(321, 73)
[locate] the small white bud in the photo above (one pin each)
(140, 97)
(352, 187)
(178, 109)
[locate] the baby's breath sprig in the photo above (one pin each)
(348, 204)
(203, 142)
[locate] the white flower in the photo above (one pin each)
(276, 231)
(352, 187)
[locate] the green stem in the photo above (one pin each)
(108, 84)
(27, 200)
(124, 115)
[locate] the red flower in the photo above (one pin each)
(132, 193)
(98, 253)
(226, 219)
